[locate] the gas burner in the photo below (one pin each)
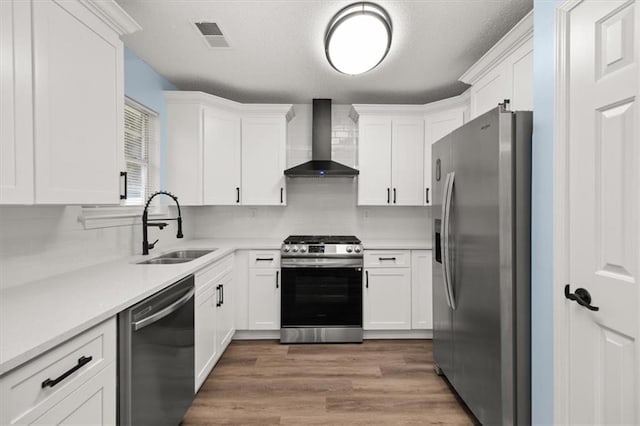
(321, 239)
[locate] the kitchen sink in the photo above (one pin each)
(178, 256)
(185, 254)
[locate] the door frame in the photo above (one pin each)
(561, 214)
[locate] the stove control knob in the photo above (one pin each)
(303, 249)
(349, 249)
(286, 249)
(357, 249)
(294, 249)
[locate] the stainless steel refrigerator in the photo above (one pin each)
(481, 264)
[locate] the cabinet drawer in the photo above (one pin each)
(264, 259)
(22, 391)
(387, 258)
(210, 272)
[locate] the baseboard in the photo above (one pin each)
(398, 334)
(368, 334)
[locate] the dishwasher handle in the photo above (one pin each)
(163, 313)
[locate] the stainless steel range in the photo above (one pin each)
(321, 289)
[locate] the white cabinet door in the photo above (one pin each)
(206, 352)
(387, 299)
(16, 109)
(421, 290)
(374, 160)
(221, 158)
(264, 299)
(93, 403)
(78, 105)
(264, 147)
(407, 152)
(436, 126)
(184, 151)
(225, 313)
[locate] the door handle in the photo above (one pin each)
(582, 296)
(82, 361)
(124, 175)
(446, 213)
(163, 313)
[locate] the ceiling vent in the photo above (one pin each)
(212, 34)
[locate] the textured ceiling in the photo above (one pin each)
(277, 52)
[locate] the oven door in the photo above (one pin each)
(321, 296)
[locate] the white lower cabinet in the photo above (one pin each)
(40, 392)
(387, 290)
(213, 316)
(264, 291)
(421, 290)
(93, 403)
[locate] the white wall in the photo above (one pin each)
(40, 241)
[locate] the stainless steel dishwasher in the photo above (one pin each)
(156, 357)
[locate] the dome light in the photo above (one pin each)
(358, 38)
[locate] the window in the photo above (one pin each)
(139, 138)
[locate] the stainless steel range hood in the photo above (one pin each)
(321, 164)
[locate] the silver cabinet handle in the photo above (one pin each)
(446, 219)
(163, 313)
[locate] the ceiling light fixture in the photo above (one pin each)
(358, 38)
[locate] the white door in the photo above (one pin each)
(603, 212)
(221, 158)
(264, 299)
(407, 164)
(264, 146)
(387, 299)
(435, 127)
(225, 313)
(93, 403)
(206, 354)
(79, 105)
(374, 161)
(421, 290)
(16, 109)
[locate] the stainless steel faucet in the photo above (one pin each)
(146, 245)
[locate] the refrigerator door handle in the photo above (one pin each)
(446, 219)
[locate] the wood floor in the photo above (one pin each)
(387, 382)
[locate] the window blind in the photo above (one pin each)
(137, 138)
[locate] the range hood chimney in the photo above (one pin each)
(321, 164)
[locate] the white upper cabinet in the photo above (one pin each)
(221, 152)
(390, 154)
(374, 160)
(264, 157)
(16, 108)
(221, 157)
(69, 141)
(438, 124)
(504, 72)
(407, 167)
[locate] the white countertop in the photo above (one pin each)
(38, 316)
